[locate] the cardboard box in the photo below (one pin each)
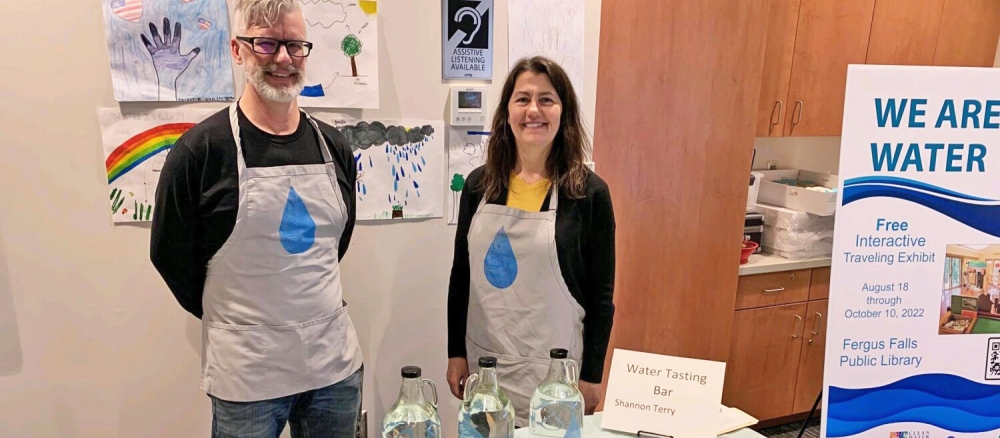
(799, 198)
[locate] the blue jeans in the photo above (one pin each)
(330, 412)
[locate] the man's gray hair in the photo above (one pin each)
(248, 13)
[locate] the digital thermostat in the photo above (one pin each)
(468, 106)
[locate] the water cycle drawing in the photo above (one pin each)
(135, 148)
(466, 151)
(343, 66)
(169, 50)
(400, 166)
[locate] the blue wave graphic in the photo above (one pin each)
(950, 419)
(985, 218)
(906, 182)
(882, 404)
(946, 401)
(947, 386)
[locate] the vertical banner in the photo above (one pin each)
(467, 39)
(913, 341)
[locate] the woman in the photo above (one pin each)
(535, 245)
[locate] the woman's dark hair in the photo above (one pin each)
(565, 164)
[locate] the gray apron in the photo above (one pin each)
(519, 304)
(275, 322)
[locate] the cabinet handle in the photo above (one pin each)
(775, 114)
(798, 319)
(775, 290)
(798, 113)
(819, 323)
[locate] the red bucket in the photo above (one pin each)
(749, 247)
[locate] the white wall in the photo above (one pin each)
(92, 344)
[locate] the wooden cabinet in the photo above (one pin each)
(831, 35)
(772, 289)
(819, 286)
(764, 360)
(809, 381)
(934, 32)
(969, 33)
(811, 42)
(773, 104)
(775, 365)
(904, 32)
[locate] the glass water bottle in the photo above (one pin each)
(485, 412)
(557, 404)
(412, 416)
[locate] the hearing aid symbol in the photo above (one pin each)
(477, 21)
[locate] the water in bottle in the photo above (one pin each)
(557, 404)
(485, 412)
(412, 416)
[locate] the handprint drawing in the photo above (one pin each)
(168, 61)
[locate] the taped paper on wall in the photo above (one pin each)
(135, 148)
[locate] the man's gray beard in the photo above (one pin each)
(275, 94)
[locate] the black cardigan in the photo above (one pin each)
(585, 243)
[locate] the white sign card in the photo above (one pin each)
(913, 335)
(663, 394)
(467, 39)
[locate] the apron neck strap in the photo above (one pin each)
(234, 123)
(554, 198)
(323, 148)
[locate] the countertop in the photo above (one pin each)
(764, 263)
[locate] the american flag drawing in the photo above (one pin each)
(129, 10)
(204, 24)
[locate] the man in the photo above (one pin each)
(254, 210)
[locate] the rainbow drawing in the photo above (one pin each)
(142, 147)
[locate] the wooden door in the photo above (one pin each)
(763, 360)
(809, 382)
(784, 17)
(673, 136)
(904, 32)
(969, 33)
(830, 35)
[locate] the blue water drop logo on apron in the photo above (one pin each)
(500, 263)
(297, 229)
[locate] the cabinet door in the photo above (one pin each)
(831, 34)
(969, 33)
(809, 382)
(784, 17)
(904, 32)
(763, 360)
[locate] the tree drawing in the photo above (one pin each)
(457, 182)
(351, 46)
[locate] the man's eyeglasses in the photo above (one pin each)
(270, 46)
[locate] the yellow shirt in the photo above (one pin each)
(527, 197)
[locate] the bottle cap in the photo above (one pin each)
(411, 372)
(558, 353)
(487, 362)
